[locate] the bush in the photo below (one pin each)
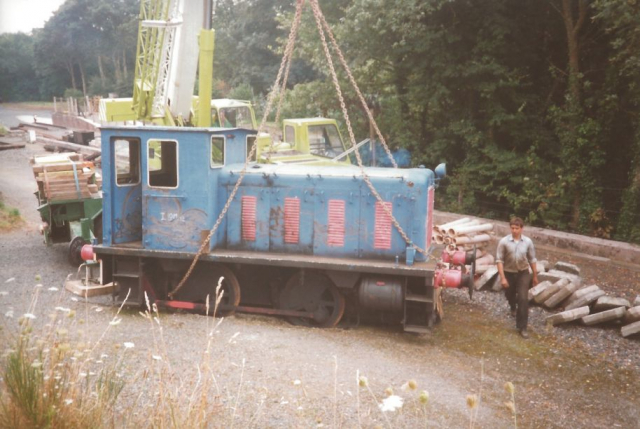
(96, 87)
(242, 92)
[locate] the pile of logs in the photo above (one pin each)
(65, 176)
(561, 288)
(466, 234)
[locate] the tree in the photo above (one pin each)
(622, 23)
(17, 77)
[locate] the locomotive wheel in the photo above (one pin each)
(203, 281)
(314, 293)
(75, 247)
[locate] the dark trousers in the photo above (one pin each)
(518, 296)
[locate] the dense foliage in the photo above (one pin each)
(534, 105)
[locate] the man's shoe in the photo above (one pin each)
(524, 333)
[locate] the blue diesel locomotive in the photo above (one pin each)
(302, 241)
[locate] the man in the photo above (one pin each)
(514, 257)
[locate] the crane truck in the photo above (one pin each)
(167, 59)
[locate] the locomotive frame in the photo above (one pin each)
(308, 243)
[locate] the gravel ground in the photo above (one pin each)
(271, 374)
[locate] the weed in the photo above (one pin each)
(9, 217)
(51, 383)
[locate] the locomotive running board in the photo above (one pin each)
(418, 269)
(202, 308)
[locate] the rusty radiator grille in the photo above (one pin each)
(383, 228)
(335, 227)
(249, 204)
(291, 220)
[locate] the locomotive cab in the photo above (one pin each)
(161, 172)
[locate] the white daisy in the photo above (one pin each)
(391, 403)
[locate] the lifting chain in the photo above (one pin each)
(357, 89)
(274, 91)
(279, 88)
(288, 56)
(319, 19)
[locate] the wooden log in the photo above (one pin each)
(71, 146)
(6, 146)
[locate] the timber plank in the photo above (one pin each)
(84, 178)
(51, 159)
(55, 187)
(56, 174)
(69, 196)
(61, 167)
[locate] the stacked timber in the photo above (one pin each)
(65, 176)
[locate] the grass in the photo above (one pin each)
(10, 218)
(52, 381)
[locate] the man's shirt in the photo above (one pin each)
(516, 255)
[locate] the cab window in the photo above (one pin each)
(250, 141)
(236, 117)
(289, 134)
(162, 163)
(324, 140)
(126, 160)
(217, 151)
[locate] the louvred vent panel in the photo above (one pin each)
(383, 227)
(291, 220)
(335, 227)
(249, 205)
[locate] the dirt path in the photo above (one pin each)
(272, 374)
